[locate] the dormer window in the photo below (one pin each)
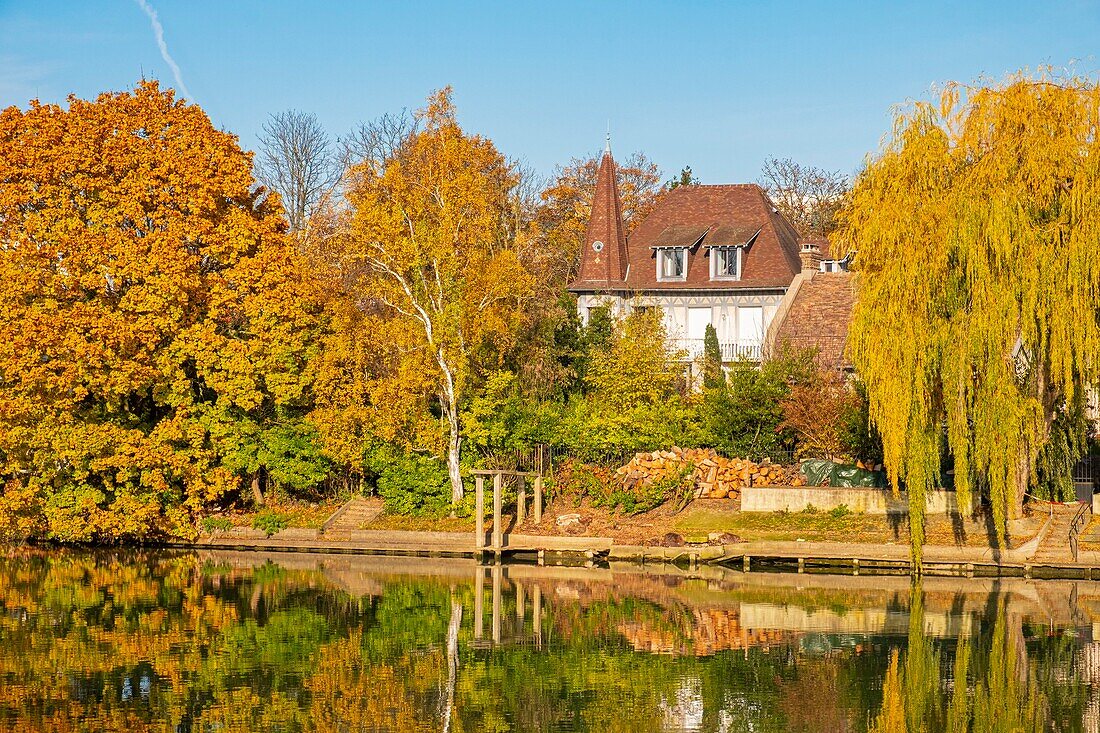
(725, 263)
(835, 265)
(672, 263)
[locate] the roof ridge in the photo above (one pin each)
(719, 185)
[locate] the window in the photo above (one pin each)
(725, 263)
(671, 264)
(834, 266)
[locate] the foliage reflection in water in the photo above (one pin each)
(244, 642)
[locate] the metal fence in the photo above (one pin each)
(1087, 471)
(544, 459)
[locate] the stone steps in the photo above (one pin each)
(352, 516)
(1054, 549)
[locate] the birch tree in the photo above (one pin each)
(976, 232)
(430, 231)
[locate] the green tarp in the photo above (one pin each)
(827, 473)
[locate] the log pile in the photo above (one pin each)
(715, 476)
(714, 630)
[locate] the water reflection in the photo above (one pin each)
(236, 642)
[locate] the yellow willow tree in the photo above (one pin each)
(977, 240)
(430, 233)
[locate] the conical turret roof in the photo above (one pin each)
(604, 259)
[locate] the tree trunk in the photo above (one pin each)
(454, 447)
(257, 494)
(1022, 477)
(449, 400)
(452, 662)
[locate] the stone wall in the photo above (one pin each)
(868, 501)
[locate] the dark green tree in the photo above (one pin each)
(713, 376)
(686, 178)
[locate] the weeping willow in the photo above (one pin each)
(976, 234)
(991, 691)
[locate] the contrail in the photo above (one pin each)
(158, 31)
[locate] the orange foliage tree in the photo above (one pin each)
(156, 329)
(819, 413)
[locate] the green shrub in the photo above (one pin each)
(839, 511)
(810, 509)
(216, 524)
(410, 484)
(678, 487)
(270, 521)
(578, 480)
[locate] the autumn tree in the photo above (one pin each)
(819, 413)
(636, 389)
(808, 197)
(155, 326)
(976, 230)
(429, 232)
(298, 159)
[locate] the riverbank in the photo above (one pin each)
(804, 542)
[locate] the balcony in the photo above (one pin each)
(731, 350)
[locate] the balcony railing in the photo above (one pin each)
(731, 350)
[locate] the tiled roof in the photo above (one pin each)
(819, 316)
(680, 236)
(731, 236)
(728, 213)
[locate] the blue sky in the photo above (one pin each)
(719, 86)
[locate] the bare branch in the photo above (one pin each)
(297, 160)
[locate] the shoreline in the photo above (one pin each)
(839, 558)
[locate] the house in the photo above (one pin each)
(706, 255)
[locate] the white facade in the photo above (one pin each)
(741, 318)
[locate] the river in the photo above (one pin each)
(222, 641)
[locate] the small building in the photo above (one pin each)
(706, 255)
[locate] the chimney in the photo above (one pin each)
(810, 256)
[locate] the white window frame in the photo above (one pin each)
(714, 274)
(661, 253)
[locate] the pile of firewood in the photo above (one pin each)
(713, 630)
(715, 477)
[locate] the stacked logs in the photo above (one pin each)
(714, 630)
(715, 477)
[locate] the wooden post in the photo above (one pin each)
(538, 498)
(479, 512)
(520, 610)
(479, 603)
(497, 572)
(498, 530)
(521, 499)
